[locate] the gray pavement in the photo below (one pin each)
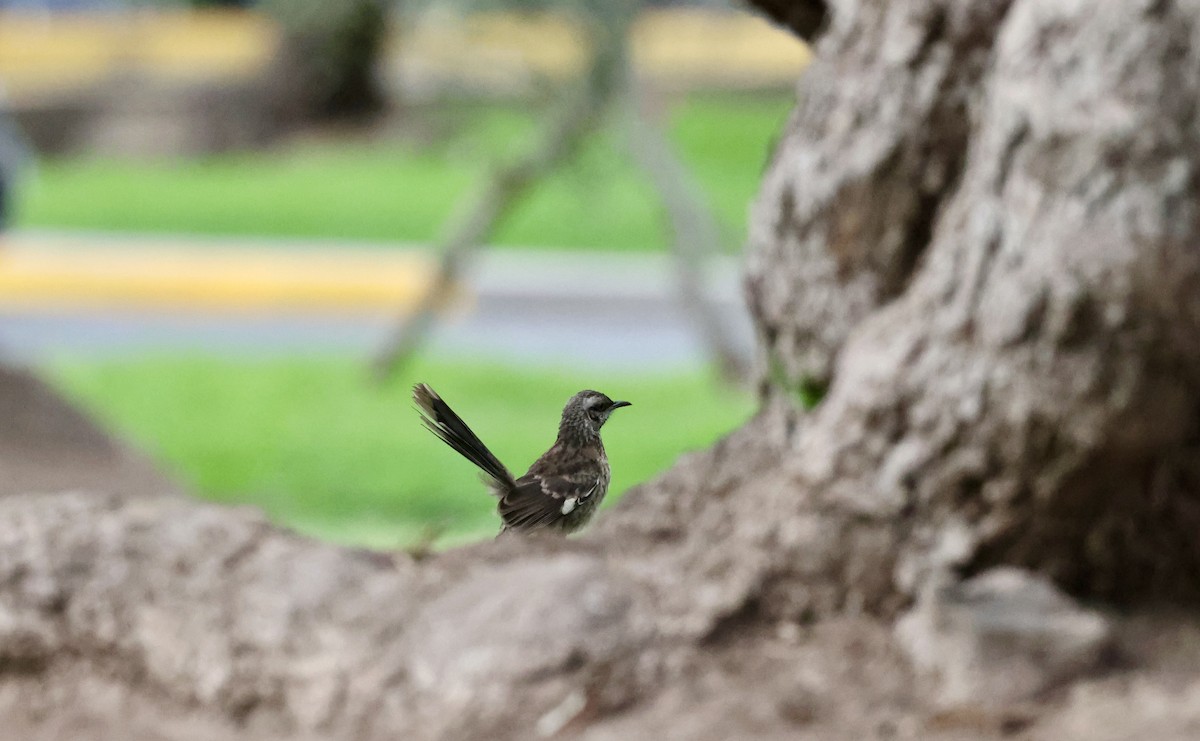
(612, 310)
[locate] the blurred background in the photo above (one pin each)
(237, 232)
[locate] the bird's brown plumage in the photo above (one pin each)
(562, 489)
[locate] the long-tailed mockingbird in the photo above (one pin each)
(562, 489)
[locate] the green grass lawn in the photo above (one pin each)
(396, 191)
(318, 447)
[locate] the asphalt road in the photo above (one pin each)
(523, 306)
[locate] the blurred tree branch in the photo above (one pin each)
(695, 233)
(607, 25)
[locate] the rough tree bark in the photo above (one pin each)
(979, 235)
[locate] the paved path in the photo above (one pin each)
(103, 296)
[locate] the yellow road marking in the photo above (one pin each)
(68, 50)
(42, 273)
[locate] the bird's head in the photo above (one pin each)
(585, 413)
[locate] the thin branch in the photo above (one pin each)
(695, 237)
(503, 189)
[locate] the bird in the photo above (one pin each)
(562, 489)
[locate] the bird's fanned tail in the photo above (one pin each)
(441, 420)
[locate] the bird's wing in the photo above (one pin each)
(539, 500)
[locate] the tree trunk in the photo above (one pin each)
(974, 255)
(804, 18)
(327, 64)
(981, 236)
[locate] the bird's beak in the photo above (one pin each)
(619, 404)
